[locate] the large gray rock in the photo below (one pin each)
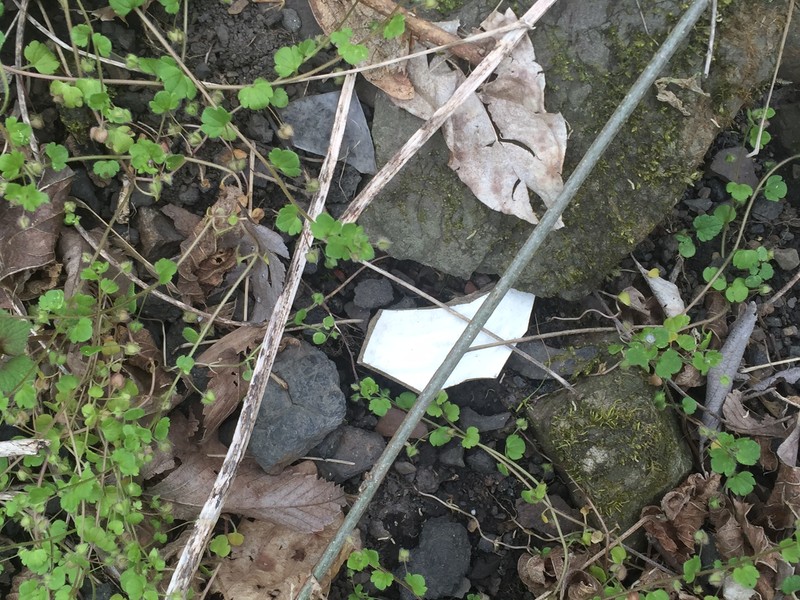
(613, 442)
(591, 53)
(291, 421)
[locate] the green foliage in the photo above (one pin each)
(123, 7)
(342, 241)
(217, 123)
(727, 453)
(515, 447)
(395, 27)
(41, 58)
(351, 53)
(753, 123)
(381, 578)
(257, 95)
(686, 247)
(289, 58)
(286, 161)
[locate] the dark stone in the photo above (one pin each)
(427, 480)
(530, 517)
(292, 421)
(373, 293)
(452, 455)
(350, 444)
(290, 20)
(442, 558)
(469, 418)
(158, 235)
(480, 462)
(259, 128)
(565, 362)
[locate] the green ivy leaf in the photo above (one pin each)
(19, 133)
(120, 139)
(669, 364)
(775, 188)
(741, 484)
(745, 259)
(451, 411)
(691, 568)
(747, 451)
(720, 283)
(146, 155)
(217, 123)
(81, 330)
(707, 227)
(395, 27)
(471, 437)
(739, 191)
(101, 44)
(185, 364)
(80, 35)
(441, 436)
(220, 546)
(14, 334)
(689, 405)
(381, 579)
(123, 7)
(746, 576)
(288, 220)
(791, 584)
(379, 406)
(416, 583)
(279, 98)
(257, 95)
(406, 400)
(164, 102)
(41, 58)
(286, 161)
(171, 6)
(287, 60)
(737, 291)
(26, 196)
(165, 269)
(11, 164)
(58, 156)
(106, 168)
(686, 247)
(174, 79)
(515, 447)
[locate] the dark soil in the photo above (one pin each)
(235, 49)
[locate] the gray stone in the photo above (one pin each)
(442, 558)
(290, 20)
(613, 443)
(564, 361)
(427, 480)
(767, 210)
(480, 462)
(259, 128)
(470, 418)
(291, 421)
(350, 445)
(157, 234)
(530, 517)
(373, 293)
(787, 258)
(592, 52)
(452, 455)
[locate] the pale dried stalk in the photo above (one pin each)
(424, 133)
(204, 525)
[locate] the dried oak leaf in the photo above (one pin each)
(28, 239)
(226, 364)
(741, 420)
(682, 513)
(275, 561)
(503, 142)
(208, 255)
(294, 498)
(783, 505)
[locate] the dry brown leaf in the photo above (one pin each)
(392, 79)
(666, 292)
(741, 420)
(783, 505)
(504, 142)
(275, 561)
(224, 358)
(206, 253)
(541, 574)
(689, 377)
(293, 498)
(183, 220)
(682, 513)
(28, 239)
(147, 370)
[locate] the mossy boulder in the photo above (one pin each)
(613, 442)
(591, 53)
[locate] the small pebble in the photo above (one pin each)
(787, 258)
(373, 293)
(404, 468)
(790, 331)
(290, 20)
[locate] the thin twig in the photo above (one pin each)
(789, 285)
(757, 148)
(21, 92)
(711, 34)
(204, 525)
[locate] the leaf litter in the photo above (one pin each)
(502, 141)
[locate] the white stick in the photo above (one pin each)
(195, 547)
